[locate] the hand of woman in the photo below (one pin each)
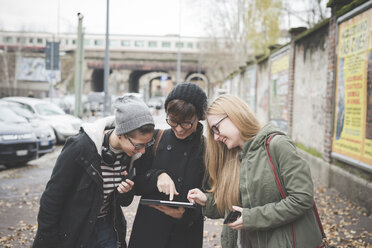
(166, 185)
(176, 213)
(126, 186)
(197, 196)
(238, 224)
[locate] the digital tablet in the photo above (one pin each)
(167, 203)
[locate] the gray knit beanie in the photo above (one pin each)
(131, 113)
(191, 93)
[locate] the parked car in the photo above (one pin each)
(18, 143)
(65, 106)
(44, 133)
(138, 95)
(64, 125)
(156, 102)
(67, 103)
(96, 101)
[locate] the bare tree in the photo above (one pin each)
(306, 13)
(238, 29)
(5, 69)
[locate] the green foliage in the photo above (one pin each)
(262, 24)
(350, 7)
(353, 170)
(313, 29)
(309, 150)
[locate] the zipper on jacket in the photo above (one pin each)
(250, 203)
(98, 173)
(118, 243)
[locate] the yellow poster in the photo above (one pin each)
(279, 90)
(353, 116)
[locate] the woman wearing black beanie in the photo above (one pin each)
(174, 168)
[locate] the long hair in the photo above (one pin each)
(223, 164)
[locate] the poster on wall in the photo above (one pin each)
(249, 87)
(33, 69)
(352, 137)
(235, 85)
(279, 76)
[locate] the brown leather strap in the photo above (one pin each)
(319, 221)
(273, 167)
(157, 140)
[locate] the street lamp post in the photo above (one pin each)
(79, 67)
(107, 101)
(179, 46)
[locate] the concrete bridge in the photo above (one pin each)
(137, 71)
(137, 63)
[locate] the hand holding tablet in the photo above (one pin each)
(167, 203)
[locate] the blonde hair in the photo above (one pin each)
(223, 164)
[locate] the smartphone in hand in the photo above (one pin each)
(131, 174)
(232, 216)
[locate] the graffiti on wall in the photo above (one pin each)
(264, 100)
(33, 69)
(249, 87)
(278, 104)
(353, 114)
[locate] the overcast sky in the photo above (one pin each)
(146, 17)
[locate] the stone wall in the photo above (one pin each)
(310, 76)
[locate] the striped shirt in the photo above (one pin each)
(112, 176)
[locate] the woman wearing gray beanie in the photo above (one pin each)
(172, 169)
(81, 205)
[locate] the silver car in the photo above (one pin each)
(18, 143)
(64, 125)
(44, 133)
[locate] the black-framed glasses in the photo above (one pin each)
(140, 146)
(184, 125)
(214, 128)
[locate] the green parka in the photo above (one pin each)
(267, 217)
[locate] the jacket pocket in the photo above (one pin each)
(84, 183)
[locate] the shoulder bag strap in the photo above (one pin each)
(278, 182)
(157, 140)
(283, 194)
(319, 221)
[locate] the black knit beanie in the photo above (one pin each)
(192, 93)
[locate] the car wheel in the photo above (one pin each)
(58, 140)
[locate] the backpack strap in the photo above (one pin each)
(158, 136)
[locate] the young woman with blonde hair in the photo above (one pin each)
(241, 179)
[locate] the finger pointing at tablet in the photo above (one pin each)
(166, 185)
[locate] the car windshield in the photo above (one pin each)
(8, 116)
(48, 109)
(22, 112)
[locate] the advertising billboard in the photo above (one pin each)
(279, 82)
(352, 137)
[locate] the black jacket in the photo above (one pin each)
(73, 197)
(182, 160)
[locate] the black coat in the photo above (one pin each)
(182, 160)
(73, 197)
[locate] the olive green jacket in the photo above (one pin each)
(267, 217)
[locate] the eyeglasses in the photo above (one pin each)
(185, 125)
(140, 146)
(214, 128)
